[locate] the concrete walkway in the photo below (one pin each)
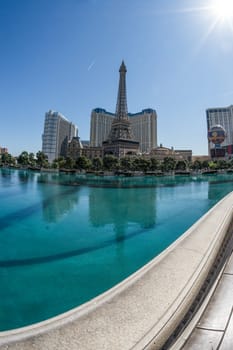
(214, 331)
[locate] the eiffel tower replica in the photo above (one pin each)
(121, 141)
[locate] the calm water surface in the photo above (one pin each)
(63, 244)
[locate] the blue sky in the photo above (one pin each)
(65, 55)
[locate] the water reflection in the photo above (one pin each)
(219, 186)
(6, 172)
(122, 207)
(60, 202)
(57, 178)
(6, 176)
(115, 213)
(47, 269)
(57, 200)
(25, 176)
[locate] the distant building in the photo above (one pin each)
(121, 141)
(201, 158)
(101, 122)
(3, 150)
(163, 152)
(143, 125)
(222, 116)
(58, 131)
(76, 149)
(92, 152)
(85, 143)
(186, 154)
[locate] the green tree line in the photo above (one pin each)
(25, 159)
(111, 163)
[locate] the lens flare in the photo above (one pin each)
(223, 9)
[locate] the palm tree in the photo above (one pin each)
(181, 165)
(97, 163)
(110, 162)
(7, 159)
(168, 164)
(196, 165)
(141, 164)
(23, 158)
(83, 163)
(69, 163)
(41, 159)
(31, 159)
(205, 164)
(155, 164)
(222, 164)
(126, 163)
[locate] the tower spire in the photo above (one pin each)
(121, 107)
(121, 141)
(121, 126)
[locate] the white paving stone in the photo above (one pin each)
(229, 267)
(203, 339)
(227, 343)
(219, 309)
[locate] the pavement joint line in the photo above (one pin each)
(228, 321)
(180, 343)
(211, 329)
(219, 264)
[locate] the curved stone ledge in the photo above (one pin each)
(143, 310)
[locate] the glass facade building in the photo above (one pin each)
(58, 131)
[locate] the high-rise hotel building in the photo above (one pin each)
(222, 116)
(100, 127)
(143, 124)
(58, 131)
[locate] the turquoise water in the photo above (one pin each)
(63, 244)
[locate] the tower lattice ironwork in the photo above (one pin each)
(121, 126)
(121, 107)
(121, 141)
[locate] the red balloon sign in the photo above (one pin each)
(217, 134)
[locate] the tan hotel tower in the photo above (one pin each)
(140, 127)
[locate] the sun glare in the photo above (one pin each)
(220, 17)
(223, 9)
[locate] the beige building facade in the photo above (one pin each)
(3, 150)
(144, 127)
(101, 122)
(143, 124)
(76, 150)
(163, 152)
